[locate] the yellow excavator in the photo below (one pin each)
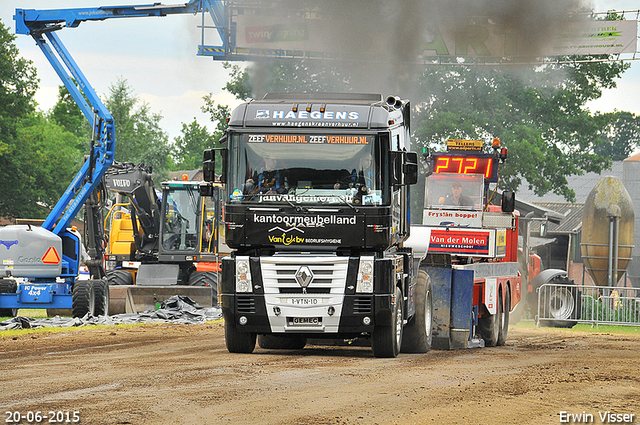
(160, 243)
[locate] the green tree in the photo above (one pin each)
(42, 168)
(619, 135)
(239, 83)
(139, 137)
(290, 75)
(538, 113)
(18, 84)
(68, 115)
(219, 115)
(190, 145)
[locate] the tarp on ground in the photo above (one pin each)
(177, 309)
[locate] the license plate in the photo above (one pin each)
(305, 301)
(305, 321)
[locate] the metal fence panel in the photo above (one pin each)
(564, 305)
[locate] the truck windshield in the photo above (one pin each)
(301, 168)
(454, 191)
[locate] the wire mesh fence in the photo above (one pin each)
(564, 305)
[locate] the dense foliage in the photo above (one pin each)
(196, 138)
(38, 157)
(538, 112)
(139, 137)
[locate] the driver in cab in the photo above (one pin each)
(269, 181)
(363, 173)
(457, 198)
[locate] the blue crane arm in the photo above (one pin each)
(103, 138)
(42, 26)
(28, 20)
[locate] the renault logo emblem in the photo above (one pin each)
(304, 276)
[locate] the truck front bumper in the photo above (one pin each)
(356, 314)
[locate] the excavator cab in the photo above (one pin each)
(188, 222)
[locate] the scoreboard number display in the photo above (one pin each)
(466, 164)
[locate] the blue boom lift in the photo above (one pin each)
(46, 259)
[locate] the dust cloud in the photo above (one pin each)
(381, 44)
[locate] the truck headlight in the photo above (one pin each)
(243, 275)
(364, 283)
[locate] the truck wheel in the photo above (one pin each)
(238, 342)
(8, 286)
(504, 326)
(282, 342)
(83, 298)
(206, 279)
(386, 340)
(120, 277)
(101, 297)
(560, 303)
(417, 333)
(489, 326)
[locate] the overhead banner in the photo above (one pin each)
(300, 35)
(597, 38)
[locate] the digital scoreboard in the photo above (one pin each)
(455, 163)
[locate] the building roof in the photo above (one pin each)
(571, 223)
(537, 211)
(581, 185)
(633, 158)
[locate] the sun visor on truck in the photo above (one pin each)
(309, 115)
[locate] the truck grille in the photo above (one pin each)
(329, 274)
(363, 306)
(246, 304)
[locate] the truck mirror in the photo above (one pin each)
(208, 166)
(223, 175)
(508, 201)
(205, 189)
(410, 168)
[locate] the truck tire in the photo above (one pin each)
(489, 326)
(417, 333)
(504, 326)
(101, 297)
(563, 304)
(8, 286)
(83, 298)
(282, 342)
(120, 277)
(238, 342)
(386, 339)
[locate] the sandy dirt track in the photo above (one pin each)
(178, 374)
